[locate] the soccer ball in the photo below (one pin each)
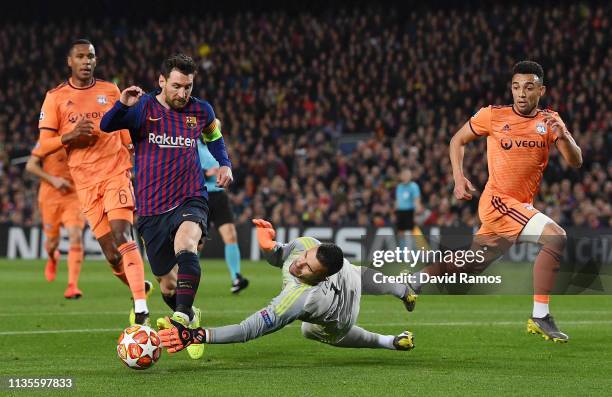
(139, 347)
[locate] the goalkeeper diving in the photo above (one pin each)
(320, 288)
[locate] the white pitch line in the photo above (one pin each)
(234, 311)
(61, 331)
(478, 323)
(403, 324)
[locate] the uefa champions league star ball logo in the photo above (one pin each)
(541, 128)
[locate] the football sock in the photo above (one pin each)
(371, 287)
(188, 280)
(540, 309)
(359, 337)
(170, 301)
(75, 260)
(133, 267)
(140, 306)
(386, 341)
(232, 257)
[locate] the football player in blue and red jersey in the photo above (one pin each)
(171, 197)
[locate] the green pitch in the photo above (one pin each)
(465, 345)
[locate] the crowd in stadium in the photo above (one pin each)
(290, 90)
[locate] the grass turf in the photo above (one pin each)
(474, 345)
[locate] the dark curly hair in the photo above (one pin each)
(529, 67)
(181, 62)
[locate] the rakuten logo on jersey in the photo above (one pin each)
(165, 141)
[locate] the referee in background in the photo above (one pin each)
(407, 200)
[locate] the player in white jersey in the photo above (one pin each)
(320, 287)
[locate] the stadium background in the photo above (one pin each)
(322, 108)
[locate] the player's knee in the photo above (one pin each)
(228, 233)
(186, 244)
(186, 241)
(121, 231)
(187, 237)
(308, 332)
(52, 243)
(231, 239)
(75, 238)
(121, 236)
(554, 236)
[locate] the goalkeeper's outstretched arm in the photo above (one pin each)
(284, 309)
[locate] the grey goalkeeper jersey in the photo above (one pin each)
(332, 304)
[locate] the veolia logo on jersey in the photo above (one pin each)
(73, 117)
(507, 144)
(166, 141)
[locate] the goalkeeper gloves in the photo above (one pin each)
(265, 234)
(179, 337)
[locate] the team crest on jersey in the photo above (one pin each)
(102, 99)
(541, 128)
(191, 121)
(42, 116)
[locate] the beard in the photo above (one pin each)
(176, 104)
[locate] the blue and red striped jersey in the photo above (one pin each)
(166, 165)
